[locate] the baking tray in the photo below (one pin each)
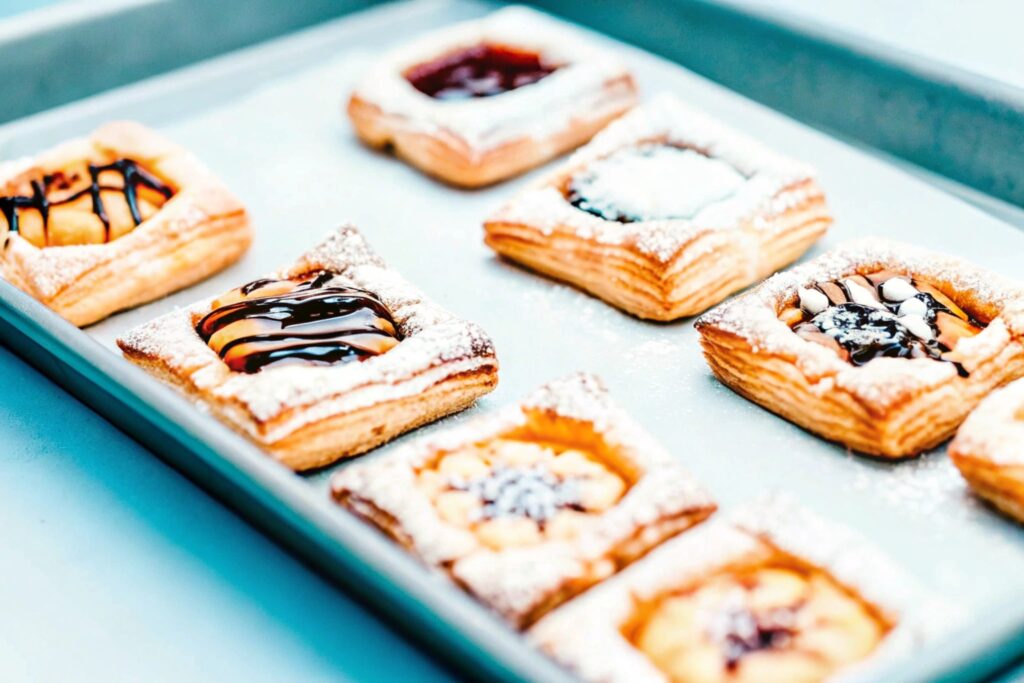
(268, 120)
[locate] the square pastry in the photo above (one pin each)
(484, 100)
(772, 594)
(878, 345)
(529, 506)
(664, 213)
(114, 220)
(989, 449)
(324, 359)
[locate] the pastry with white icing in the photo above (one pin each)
(114, 220)
(880, 346)
(325, 359)
(531, 505)
(664, 213)
(771, 593)
(485, 100)
(989, 449)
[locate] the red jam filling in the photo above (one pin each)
(479, 71)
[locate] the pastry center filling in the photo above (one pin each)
(882, 314)
(478, 71)
(510, 492)
(758, 623)
(91, 204)
(652, 181)
(273, 322)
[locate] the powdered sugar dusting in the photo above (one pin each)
(994, 432)
(773, 184)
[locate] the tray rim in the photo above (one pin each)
(75, 361)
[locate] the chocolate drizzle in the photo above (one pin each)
(133, 176)
(298, 321)
(478, 71)
(883, 315)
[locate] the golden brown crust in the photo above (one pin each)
(484, 140)
(890, 407)
(665, 269)
(517, 566)
(199, 231)
(310, 416)
(989, 450)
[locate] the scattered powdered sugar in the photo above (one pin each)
(923, 487)
(995, 430)
(772, 185)
(573, 92)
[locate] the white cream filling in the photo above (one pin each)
(657, 182)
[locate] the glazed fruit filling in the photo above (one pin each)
(308, 321)
(863, 317)
(478, 71)
(85, 204)
(763, 623)
(652, 181)
(511, 492)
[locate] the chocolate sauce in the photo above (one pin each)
(747, 631)
(479, 71)
(310, 323)
(868, 333)
(132, 174)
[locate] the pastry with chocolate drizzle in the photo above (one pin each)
(324, 359)
(274, 322)
(527, 507)
(114, 220)
(880, 346)
(882, 314)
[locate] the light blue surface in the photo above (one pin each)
(116, 568)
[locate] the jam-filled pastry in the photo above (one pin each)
(989, 449)
(771, 595)
(878, 345)
(482, 101)
(531, 505)
(114, 220)
(327, 358)
(664, 213)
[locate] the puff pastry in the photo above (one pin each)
(485, 100)
(989, 449)
(664, 214)
(878, 345)
(773, 594)
(114, 220)
(324, 359)
(529, 506)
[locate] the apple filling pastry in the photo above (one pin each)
(771, 594)
(114, 220)
(528, 507)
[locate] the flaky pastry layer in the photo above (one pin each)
(890, 407)
(199, 231)
(484, 140)
(309, 416)
(521, 583)
(669, 268)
